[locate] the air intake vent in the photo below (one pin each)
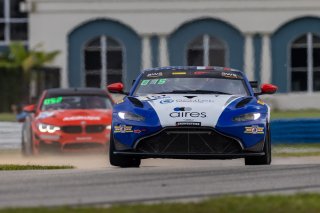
(95, 128)
(72, 129)
(185, 140)
(136, 102)
(243, 102)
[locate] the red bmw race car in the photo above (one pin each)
(68, 120)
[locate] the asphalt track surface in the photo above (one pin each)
(10, 135)
(158, 180)
(95, 182)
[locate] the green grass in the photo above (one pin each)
(7, 117)
(296, 154)
(302, 203)
(31, 167)
(295, 114)
(298, 146)
(296, 150)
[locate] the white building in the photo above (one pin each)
(273, 41)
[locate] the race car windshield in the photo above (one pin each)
(199, 85)
(76, 102)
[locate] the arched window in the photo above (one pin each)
(206, 50)
(305, 63)
(103, 58)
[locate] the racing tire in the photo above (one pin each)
(121, 161)
(27, 145)
(265, 159)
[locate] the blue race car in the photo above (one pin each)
(191, 113)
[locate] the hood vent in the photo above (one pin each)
(243, 102)
(136, 102)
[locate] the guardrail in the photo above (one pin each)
(302, 130)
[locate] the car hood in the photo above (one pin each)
(75, 117)
(188, 109)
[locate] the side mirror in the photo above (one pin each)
(268, 89)
(115, 88)
(30, 108)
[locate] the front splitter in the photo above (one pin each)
(188, 155)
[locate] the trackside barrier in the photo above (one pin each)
(304, 130)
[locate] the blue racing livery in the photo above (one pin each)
(191, 113)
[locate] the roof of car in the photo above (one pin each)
(208, 68)
(76, 91)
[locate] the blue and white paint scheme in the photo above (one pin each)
(243, 118)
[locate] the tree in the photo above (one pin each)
(19, 59)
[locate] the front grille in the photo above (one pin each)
(74, 146)
(95, 128)
(189, 140)
(72, 129)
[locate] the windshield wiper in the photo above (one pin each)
(193, 92)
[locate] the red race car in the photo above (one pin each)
(68, 120)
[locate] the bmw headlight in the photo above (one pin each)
(247, 117)
(130, 116)
(47, 128)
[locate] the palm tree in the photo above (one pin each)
(19, 59)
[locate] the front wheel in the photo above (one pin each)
(121, 161)
(27, 143)
(262, 160)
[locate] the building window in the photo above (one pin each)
(305, 63)
(13, 22)
(103, 58)
(206, 50)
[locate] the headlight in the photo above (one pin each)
(48, 128)
(247, 117)
(130, 116)
(108, 127)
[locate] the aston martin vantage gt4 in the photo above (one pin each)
(191, 113)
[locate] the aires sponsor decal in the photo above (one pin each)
(77, 118)
(185, 112)
(123, 129)
(188, 115)
(254, 130)
(188, 123)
